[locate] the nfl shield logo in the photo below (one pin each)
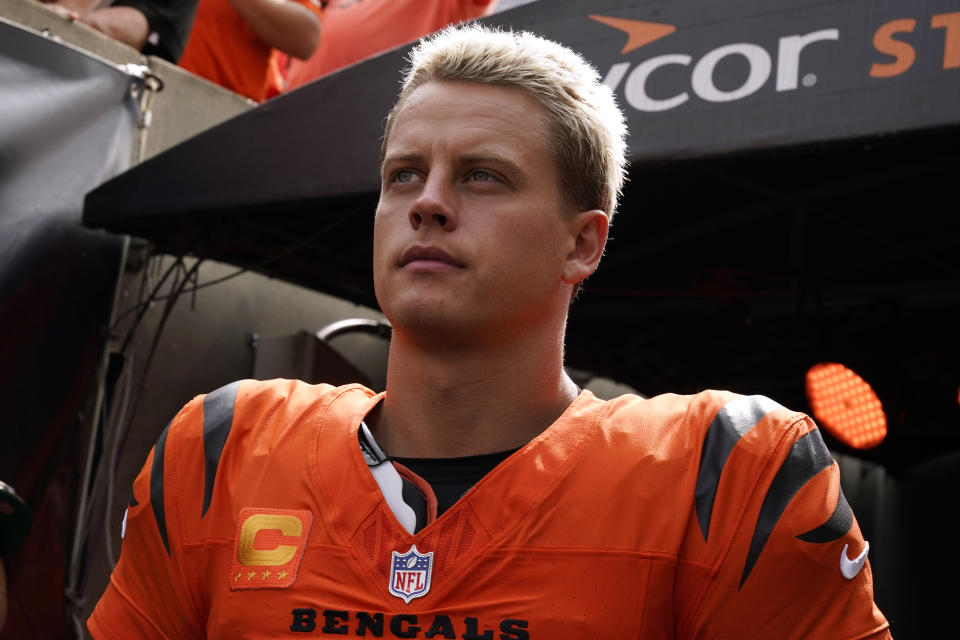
(410, 574)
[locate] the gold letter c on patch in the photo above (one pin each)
(281, 554)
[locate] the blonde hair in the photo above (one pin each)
(589, 128)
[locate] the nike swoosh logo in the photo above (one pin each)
(850, 568)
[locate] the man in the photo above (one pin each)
(483, 496)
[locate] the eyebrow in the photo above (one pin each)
(466, 159)
(415, 158)
(402, 157)
(485, 158)
(472, 158)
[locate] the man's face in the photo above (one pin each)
(470, 238)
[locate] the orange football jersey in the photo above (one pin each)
(706, 516)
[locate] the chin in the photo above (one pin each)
(430, 323)
(420, 317)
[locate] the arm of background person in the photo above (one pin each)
(165, 24)
(125, 24)
(287, 26)
(79, 7)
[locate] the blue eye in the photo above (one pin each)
(404, 175)
(483, 176)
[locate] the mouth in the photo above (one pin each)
(424, 256)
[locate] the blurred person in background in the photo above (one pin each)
(232, 40)
(228, 42)
(357, 29)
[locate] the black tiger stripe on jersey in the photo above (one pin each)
(156, 487)
(835, 527)
(217, 420)
(736, 418)
(808, 456)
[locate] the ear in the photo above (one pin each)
(588, 231)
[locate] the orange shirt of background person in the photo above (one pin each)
(232, 40)
(357, 29)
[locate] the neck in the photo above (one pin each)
(467, 400)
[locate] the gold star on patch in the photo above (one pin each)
(282, 575)
(237, 577)
(251, 575)
(266, 574)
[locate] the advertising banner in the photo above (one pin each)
(700, 77)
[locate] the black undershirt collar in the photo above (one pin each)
(450, 478)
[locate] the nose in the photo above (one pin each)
(435, 205)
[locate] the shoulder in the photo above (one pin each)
(695, 437)
(245, 425)
(268, 408)
(247, 416)
(716, 443)
(719, 419)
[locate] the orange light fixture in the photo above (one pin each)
(846, 405)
